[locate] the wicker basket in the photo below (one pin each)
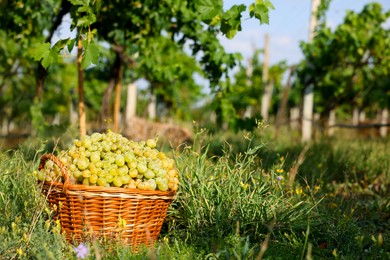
(131, 215)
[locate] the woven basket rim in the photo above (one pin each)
(98, 190)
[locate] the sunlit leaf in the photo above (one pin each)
(91, 55)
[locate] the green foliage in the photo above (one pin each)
(349, 64)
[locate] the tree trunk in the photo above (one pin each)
(281, 115)
(117, 100)
(82, 116)
(331, 122)
(41, 71)
(294, 118)
(41, 75)
(384, 121)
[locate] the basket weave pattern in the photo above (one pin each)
(131, 215)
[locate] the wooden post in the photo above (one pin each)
(331, 121)
(294, 118)
(131, 104)
(4, 127)
(384, 121)
(355, 116)
(249, 72)
(308, 100)
(152, 107)
(117, 100)
(72, 114)
(82, 116)
(268, 86)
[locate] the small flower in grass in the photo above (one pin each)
(298, 191)
(279, 178)
(81, 251)
(279, 170)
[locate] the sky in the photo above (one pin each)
(289, 24)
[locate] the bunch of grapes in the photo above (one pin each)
(111, 160)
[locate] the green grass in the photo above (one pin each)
(235, 201)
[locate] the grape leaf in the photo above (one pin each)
(231, 21)
(91, 55)
(260, 10)
(42, 52)
(208, 9)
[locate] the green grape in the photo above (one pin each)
(114, 147)
(149, 174)
(113, 171)
(93, 169)
(77, 142)
(119, 160)
(132, 184)
(109, 178)
(162, 186)
(141, 167)
(93, 179)
(72, 167)
(99, 164)
(86, 173)
(96, 137)
(117, 181)
(77, 174)
(152, 184)
(95, 157)
(132, 165)
(133, 173)
(124, 170)
(142, 186)
(125, 179)
(82, 163)
(41, 175)
(87, 153)
(161, 173)
(101, 182)
(101, 173)
(151, 143)
(86, 181)
(129, 157)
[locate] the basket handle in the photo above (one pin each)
(63, 169)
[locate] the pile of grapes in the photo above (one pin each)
(111, 160)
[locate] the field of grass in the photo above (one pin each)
(242, 196)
